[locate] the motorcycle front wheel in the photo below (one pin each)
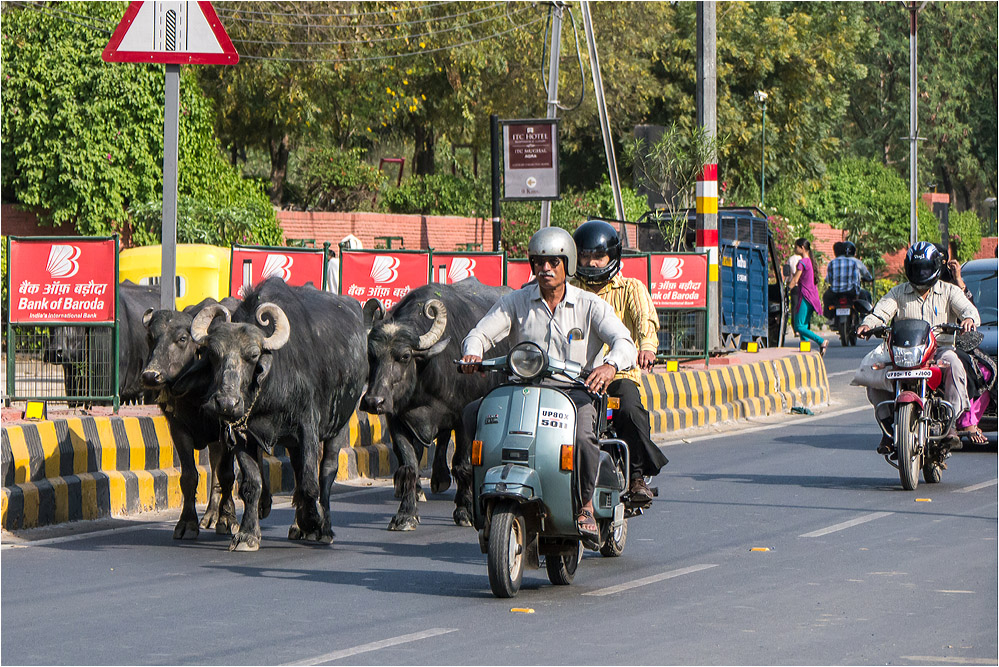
(507, 550)
(907, 446)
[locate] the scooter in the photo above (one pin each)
(525, 466)
(922, 417)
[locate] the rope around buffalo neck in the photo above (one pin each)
(238, 427)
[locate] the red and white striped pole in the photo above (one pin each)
(707, 241)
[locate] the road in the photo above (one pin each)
(782, 541)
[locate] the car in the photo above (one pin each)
(982, 278)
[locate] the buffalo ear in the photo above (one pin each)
(434, 349)
(264, 367)
(147, 316)
(373, 313)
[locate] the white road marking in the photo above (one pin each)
(954, 660)
(847, 524)
(976, 487)
(770, 427)
(965, 592)
(645, 581)
(373, 646)
(837, 373)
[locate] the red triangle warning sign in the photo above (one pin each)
(172, 33)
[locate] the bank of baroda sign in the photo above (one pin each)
(530, 159)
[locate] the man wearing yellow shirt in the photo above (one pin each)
(598, 271)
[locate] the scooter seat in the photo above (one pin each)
(607, 475)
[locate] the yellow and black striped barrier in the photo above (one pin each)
(94, 467)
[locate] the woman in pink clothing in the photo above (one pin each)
(804, 279)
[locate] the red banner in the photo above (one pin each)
(451, 267)
(518, 272)
(636, 267)
(251, 266)
(62, 281)
(679, 281)
(385, 275)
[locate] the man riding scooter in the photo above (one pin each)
(928, 298)
(844, 275)
(569, 325)
(598, 272)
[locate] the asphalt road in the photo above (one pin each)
(778, 541)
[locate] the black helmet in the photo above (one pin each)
(849, 249)
(923, 264)
(598, 236)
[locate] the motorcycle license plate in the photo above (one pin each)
(908, 375)
(843, 311)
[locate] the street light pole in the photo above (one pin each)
(761, 99)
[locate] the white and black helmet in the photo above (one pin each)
(554, 242)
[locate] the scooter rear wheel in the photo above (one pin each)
(507, 550)
(907, 443)
(562, 569)
(616, 539)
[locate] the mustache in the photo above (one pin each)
(546, 274)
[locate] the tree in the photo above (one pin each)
(83, 139)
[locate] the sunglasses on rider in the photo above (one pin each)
(539, 261)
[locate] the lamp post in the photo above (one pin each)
(761, 99)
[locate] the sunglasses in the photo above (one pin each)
(540, 260)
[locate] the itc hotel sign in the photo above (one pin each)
(530, 159)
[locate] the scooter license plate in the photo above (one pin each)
(908, 375)
(845, 312)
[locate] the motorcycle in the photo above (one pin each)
(922, 417)
(844, 311)
(525, 467)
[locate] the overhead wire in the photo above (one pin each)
(393, 55)
(346, 14)
(385, 39)
(233, 17)
(50, 11)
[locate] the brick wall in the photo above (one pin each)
(15, 222)
(824, 238)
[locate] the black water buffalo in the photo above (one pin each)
(287, 369)
(180, 381)
(85, 352)
(413, 382)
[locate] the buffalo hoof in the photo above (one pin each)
(186, 530)
(295, 533)
(210, 518)
(226, 525)
(244, 542)
(400, 522)
(462, 517)
(440, 481)
(264, 507)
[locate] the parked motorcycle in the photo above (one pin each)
(525, 468)
(922, 417)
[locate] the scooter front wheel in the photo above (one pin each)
(507, 550)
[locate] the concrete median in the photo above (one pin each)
(92, 467)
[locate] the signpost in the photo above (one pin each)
(530, 160)
(450, 267)
(385, 275)
(251, 265)
(679, 287)
(172, 34)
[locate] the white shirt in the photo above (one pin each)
(524, 315)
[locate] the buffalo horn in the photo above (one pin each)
(435, 310)
(199, 327)
(271, 312)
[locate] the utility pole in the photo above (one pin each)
(913, 121)
(556, 12)
(707, 182)
(598, 89)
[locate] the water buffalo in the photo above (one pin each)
(180, 381)
(413, 382)
(85, 352)
(287, 369)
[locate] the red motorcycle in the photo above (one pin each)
(923, 418)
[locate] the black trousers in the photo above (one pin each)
(631, 422)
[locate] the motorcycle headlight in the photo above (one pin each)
(527, 361)
(908, 357)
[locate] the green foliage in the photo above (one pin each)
(783, 237)
(199, 222)
(83, 139)
(439, 194)
(965, 229)
(336, 179)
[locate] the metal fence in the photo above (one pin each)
(683, 334)
(75, 364)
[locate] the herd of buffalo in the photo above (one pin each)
(288, 366)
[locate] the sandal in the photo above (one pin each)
(822, 350)
(586, 524)
(975, 436)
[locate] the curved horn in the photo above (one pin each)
(435, 310)
(373, 312)
(271, 312)
(199, 327)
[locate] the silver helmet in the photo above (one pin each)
(554, 242)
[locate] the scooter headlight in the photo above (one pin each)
(908, 357)
(527, 360)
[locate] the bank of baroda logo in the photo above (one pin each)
(63, 261)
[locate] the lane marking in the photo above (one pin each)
(838, 373)
(373, 646)
(847, 524)
(952, 659)
(976, 487)
(645, 581)
(965, 592)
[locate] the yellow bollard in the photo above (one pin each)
(752, 347)
(672, 366)
(805, 346)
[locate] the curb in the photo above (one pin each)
(94, 467)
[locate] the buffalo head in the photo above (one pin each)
(239, 355)
(395, 350)
(172, 349)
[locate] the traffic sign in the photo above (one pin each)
(173, 33)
